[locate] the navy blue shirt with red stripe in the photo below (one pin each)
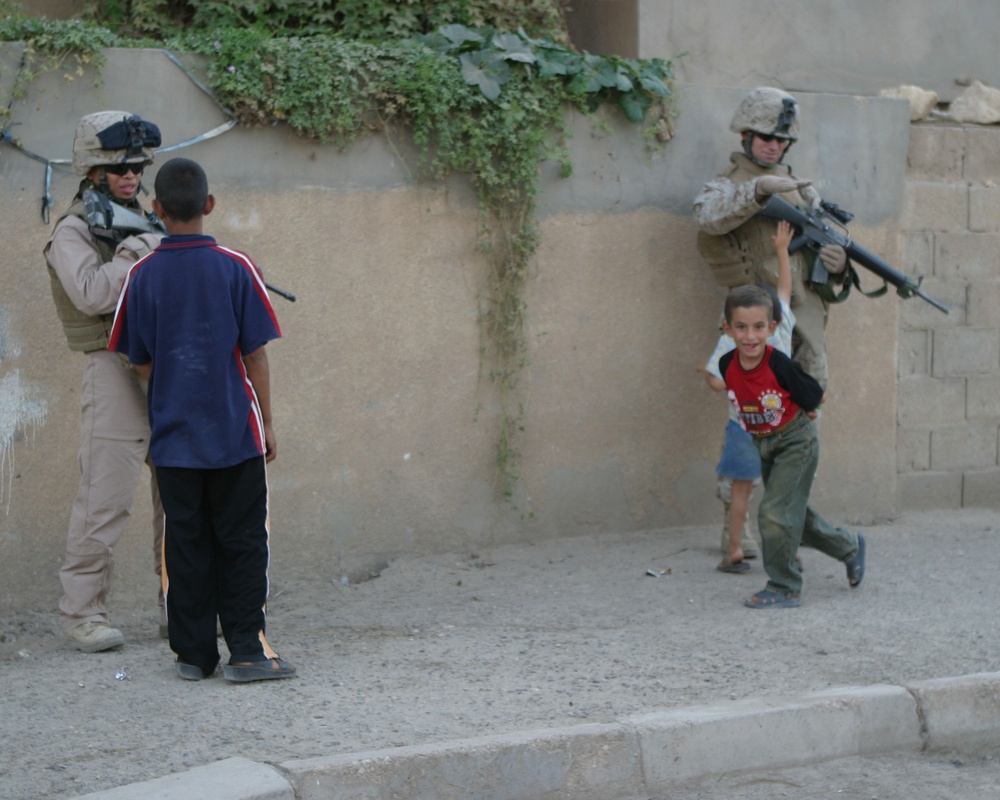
(195, 308)
(771, 394)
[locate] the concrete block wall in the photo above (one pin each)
(948, 418)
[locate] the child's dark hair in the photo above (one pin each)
(748, 297)
(181, 187)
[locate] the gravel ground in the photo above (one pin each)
(510, 639)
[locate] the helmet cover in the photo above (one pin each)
(113, 137)
(769, 111)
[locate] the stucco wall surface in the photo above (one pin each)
(386, 430)
(842, 46)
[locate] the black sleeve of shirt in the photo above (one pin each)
(724, 362)
(804, 389)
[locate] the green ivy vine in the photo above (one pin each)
(478, 100)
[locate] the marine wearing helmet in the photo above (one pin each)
(736, 244)
(87, 266)
(766, 112)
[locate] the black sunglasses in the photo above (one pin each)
(767, 137)
(122, 169)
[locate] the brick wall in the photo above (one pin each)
(948, 420)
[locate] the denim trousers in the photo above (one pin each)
(785, 519)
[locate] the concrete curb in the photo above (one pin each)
(645, 754)
(231, 779)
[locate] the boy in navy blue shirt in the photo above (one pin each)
(193, 317)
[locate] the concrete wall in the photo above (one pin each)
(841, 46)
(386, 434)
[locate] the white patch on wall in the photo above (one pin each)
(22, 410)
(244, 222)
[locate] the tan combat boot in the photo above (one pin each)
(92, 637)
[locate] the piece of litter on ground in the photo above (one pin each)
(652, 573)
(122, 674)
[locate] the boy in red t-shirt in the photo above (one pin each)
(776, 400)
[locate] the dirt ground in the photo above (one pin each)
(516, 638)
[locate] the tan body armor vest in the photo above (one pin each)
(84, 332)
(746, 255)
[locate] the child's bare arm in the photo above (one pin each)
(714, 383)
(781, 239)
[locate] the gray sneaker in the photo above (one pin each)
(92, 637)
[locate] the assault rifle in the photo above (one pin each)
(815, 229)
(105, 217)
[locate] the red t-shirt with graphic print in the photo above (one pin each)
(771, 394)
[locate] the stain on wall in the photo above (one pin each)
(22, 409)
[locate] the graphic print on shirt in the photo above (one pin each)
(767, 411)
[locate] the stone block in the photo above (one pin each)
(936, 153)
(960, 713)
(983, 302)
(913, 450)
(929, 402)
(984, 209)
(967, 255)
(230, 779)
(685, 745)
(977, 103)
(916, 253)
(935, 207)
(914, 353)
(965, 351)
(982, 154)
(972, 445)
(915, 313)
(981, 488)
(589, 762)
(983, 398)
(927, 491)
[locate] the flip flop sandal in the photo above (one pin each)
(769, 599)
(190, 672)
(736, 568)
(856, 565)
(267, 670)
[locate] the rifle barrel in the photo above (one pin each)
(287, 295)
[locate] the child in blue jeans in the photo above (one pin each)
(739, 468)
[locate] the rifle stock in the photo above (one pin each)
(815, 231)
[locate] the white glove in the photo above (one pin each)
(834, 258)
(773, 184)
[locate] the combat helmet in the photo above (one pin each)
(113, 137)
(769, 111)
